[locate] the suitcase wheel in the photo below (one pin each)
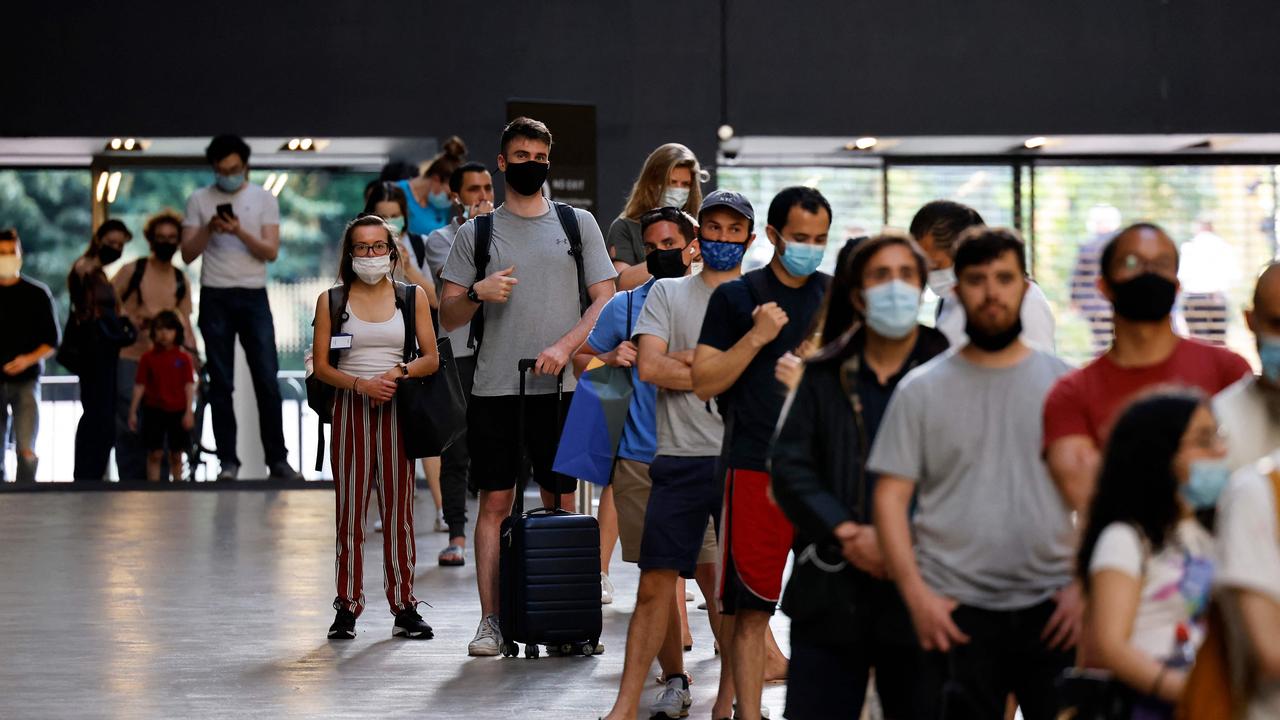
(510, 649)
(531, 651)
(589, 648)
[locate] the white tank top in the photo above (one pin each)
(375, 347)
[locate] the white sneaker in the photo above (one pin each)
(674, 700)
(377, 524)
(688, 596)
(488, 639)
(441, 525)
(606, 590)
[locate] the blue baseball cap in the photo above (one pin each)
(730, 199)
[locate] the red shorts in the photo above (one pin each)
(756, 540)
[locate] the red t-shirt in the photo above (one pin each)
(1086, 401)
(165, 374)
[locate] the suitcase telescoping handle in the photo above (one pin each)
(525, 365)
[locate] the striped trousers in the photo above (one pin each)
(367, 448)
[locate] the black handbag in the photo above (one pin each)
(432, 409)
(85, 339)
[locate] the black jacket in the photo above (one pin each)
(818, 467)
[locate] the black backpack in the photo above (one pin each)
(135, 283)
(320, 393)
(484, 237)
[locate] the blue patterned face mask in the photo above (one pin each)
(721, 256)
(802, 259)
(1205, 484)
(1269, 354)
(439, 200)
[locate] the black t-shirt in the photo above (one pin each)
(29, 323)
(755, 400)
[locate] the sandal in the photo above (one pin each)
(453, 556)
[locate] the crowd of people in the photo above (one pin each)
(975, 524)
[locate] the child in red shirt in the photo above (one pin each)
(164, 387)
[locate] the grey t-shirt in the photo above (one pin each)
(543, 306)
(437, 246)
(673, 312)
(991, 530)
(626, 241)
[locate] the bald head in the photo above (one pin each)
(1264, 317)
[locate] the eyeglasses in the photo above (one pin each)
(377, 249)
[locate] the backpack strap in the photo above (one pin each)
(135, 281)
(419, 245)
(569, 221)
(483, 239)
(337, 314)
(406, 300)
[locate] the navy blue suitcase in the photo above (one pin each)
(549, 574)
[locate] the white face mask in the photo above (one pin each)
(674, 197)
(941, 281)
(372, 269)
(10, 266)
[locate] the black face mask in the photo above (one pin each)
(108, 254)
(666, 263)
(164, 252)
(1146, 298)
(527, 178)
(993, 342)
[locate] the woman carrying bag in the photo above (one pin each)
(368, 438)
(96, 331)
(1145, 560)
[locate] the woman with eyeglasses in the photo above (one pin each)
(367, 439)
(1145, 561)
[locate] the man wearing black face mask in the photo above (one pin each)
(529, 297)
(146, 287)
(1139, 276)
(987, 580)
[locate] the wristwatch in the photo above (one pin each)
(404, 369)
(472, 296)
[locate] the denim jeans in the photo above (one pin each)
(24, 397)
(224, 314)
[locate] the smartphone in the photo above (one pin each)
(225, 210)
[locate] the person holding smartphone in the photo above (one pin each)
(234, 227)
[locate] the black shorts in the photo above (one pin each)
(163, 430)
(493, 428)
(683, 495)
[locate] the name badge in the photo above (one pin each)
(341, 341)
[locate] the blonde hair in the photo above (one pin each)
(647, 191)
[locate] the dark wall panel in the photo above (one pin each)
(416, 68)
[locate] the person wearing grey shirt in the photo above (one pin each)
(684, 493)
(988, 582)
(530, 299)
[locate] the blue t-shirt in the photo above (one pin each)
(423, 219)
(640, 434)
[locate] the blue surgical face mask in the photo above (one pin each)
(802, 259)
(1206, 480)
(1269, 354)
(439, 200)
(721, 256)
(892, 308)
(228, 183)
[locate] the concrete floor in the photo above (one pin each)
(215, 604)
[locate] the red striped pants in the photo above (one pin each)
(366, 446)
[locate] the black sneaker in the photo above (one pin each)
(344, 626)
(409, 624)
(283, 471)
